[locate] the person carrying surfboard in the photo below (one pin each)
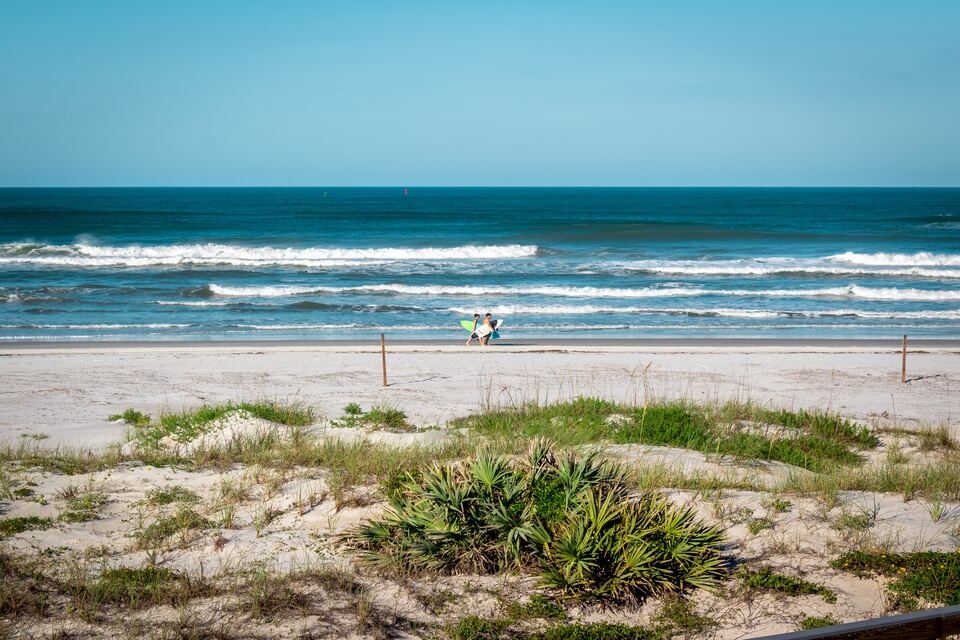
(473, 330)
(485, 329)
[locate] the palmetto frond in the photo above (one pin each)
(568, 515)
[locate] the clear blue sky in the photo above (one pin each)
(771, 92)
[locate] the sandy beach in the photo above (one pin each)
(258, 518)
(67, 391)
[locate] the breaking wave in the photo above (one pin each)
(91, 255)
(519, 309)
(850, 291)
(920, 259)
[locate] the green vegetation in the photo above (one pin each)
(492, 513)
(538, 607)
(765, 579)
(132, 417)
(925, 576)
(811, 440)
(756, 525)
(595, 631)
(817, 622)
(22, 588)
(376, 419)
(936, 439)
(778, 505)
(677, 617)
(849, 521)
(13, 526)
(133, 588)
(265, 595)
(187, 425)
(168, 495)
(82, 504)
(184, 522)
(477, 628)
(933, 480)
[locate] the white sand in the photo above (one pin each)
(67, 393)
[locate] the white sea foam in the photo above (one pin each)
(765, 267)
(920, 259)
(191, 303)
(521, 309)
(91, 255)
(151, 325)
(850, 291)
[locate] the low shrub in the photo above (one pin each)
(491, 514)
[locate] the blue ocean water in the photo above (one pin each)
(264, 263)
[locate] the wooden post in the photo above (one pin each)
(903, 363)
(383, 357)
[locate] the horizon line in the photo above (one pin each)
(481, 186)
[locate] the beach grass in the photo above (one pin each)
(13, 526)
(914, 578)
(188, 424)
(766, 579)
(809, 440)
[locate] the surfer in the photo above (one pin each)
(473, 330)
(485, 330)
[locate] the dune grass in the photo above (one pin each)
(13, 526)
(810, 440)
(170, 494)
(766, 579)
(186, 425)
(939, 480)
(915, 578)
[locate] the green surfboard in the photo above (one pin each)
(468, 325)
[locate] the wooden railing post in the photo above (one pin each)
(903, 363)
(383, 358)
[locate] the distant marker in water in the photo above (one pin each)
(405, 191)
(324, 194)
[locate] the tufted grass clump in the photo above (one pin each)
(376, 419)
(160, 496)
(132, 588)
(189, 424)
(131, 417)
(815, 441)
(184, 523)
(569, 518)
(923, 576)
(13, 526)
(766, 579)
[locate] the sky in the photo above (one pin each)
(763, 93)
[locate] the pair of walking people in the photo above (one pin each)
(482, 329)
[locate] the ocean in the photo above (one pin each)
(350, 263)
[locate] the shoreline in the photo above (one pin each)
(66, 391)
(501, 346)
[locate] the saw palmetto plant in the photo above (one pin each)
(569, 518)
